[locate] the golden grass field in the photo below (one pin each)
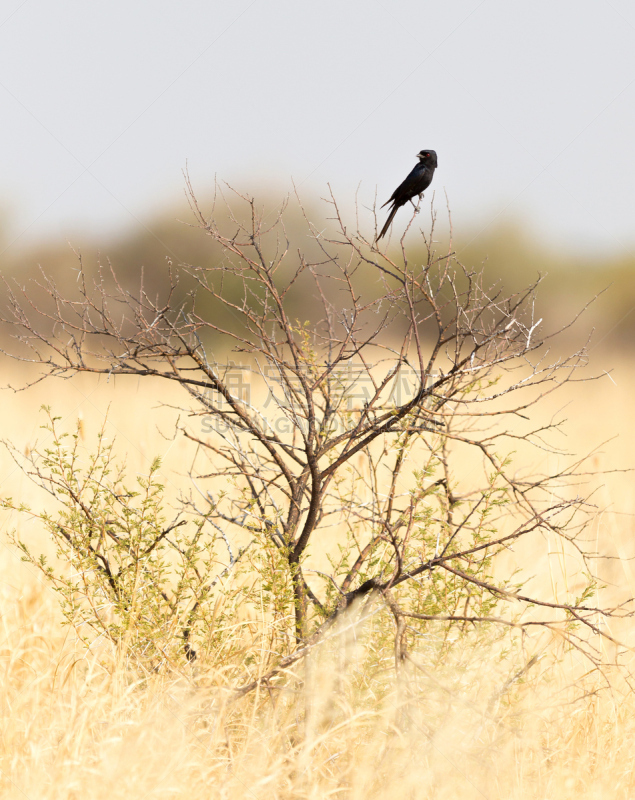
(74, 728)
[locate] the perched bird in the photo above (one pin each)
(415, 184)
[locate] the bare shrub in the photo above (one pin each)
(369, 457)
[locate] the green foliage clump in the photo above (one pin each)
(123, 572)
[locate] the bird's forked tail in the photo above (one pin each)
(391, 216)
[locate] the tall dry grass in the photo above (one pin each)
(74, 725)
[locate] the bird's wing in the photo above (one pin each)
(408, 188)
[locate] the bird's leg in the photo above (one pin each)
(417, 207)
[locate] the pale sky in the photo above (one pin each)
(529, 105)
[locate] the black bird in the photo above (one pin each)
(415, 184)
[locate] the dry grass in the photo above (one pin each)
(72, 727)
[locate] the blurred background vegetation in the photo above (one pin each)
(513, 255)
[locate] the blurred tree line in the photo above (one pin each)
(512, 255)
